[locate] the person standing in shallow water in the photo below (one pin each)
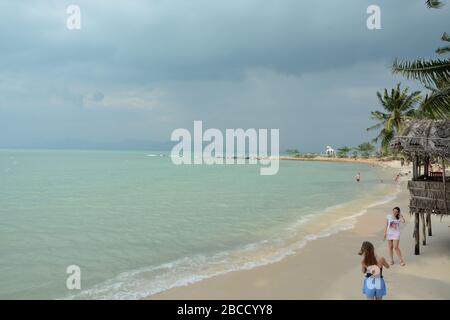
(372, 265)
(358, 177)
(392, 234)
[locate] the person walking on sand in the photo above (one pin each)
(358, 177)
(392, 234)
(372, 265)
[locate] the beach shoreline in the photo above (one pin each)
(328, 267)
(394, 164)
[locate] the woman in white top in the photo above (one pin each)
(392, 234)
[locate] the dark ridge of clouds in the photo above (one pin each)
(139, 69)
(203, 39)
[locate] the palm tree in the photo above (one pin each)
(293, 152)
(434, 75)
(342, 152)
(398, 105)
(365, 149)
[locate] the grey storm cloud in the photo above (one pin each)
(139, 69)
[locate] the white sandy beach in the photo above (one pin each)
(329, 268)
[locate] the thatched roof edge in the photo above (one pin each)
(424, 137)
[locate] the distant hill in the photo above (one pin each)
(79, 144)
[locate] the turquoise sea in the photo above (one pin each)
(136, 224)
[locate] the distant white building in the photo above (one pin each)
(330, 152)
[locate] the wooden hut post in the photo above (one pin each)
(416, 234)
(445, 186)
(430, 232)
(419, 167)
(415, 163)
(424, 241)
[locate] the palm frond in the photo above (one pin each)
(443, 50)
(378, 115)
(434, 4)
(445, 37)
(411, 113)
(426, 71)
(437, 104)
(381, 99)
(391, 123)
(375, 126)
(409, 100)
(387, 138)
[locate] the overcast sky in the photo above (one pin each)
(137, 70)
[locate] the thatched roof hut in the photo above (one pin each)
(425, 142)
(425, 138)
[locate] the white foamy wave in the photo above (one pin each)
(155, 155)
(349, 222)
(138, 284)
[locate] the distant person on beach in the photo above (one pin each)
(372, 265)
(397, 178)
(358, 177)
(392, 234)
